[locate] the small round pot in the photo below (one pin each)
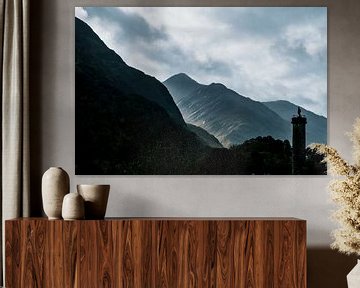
(96, 198)
(73, 207)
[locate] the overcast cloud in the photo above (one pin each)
(262, 53)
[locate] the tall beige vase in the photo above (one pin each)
(55, 185)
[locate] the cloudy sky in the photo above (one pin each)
(262, 53)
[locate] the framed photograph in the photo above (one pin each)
(200, 90)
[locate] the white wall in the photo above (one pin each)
(53, 131)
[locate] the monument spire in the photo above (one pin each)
(298, 143)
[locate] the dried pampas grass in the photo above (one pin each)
(345, 192)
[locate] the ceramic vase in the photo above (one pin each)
(353, 278)
(96, 198)
(73, 207)
(55, 185)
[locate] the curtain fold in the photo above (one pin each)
(15, 111)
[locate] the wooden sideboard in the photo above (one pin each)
(156, 252)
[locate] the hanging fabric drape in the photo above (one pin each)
(14, 51)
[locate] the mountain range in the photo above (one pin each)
(128, 122)
(233, 118)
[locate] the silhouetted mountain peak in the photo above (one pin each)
(183, 82)
(181, 77)
(93, 56)
(87, 40)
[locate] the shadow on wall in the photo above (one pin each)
(328, 268)
(37, 40)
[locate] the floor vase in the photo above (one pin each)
(353, 278)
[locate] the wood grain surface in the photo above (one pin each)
(159, 252)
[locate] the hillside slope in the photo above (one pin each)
(126, 121)
(230, 117)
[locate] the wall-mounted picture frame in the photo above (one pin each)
(200, 90)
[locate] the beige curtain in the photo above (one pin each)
(14, 30)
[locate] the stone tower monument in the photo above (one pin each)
(298, 143)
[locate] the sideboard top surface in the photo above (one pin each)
(174, 219)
